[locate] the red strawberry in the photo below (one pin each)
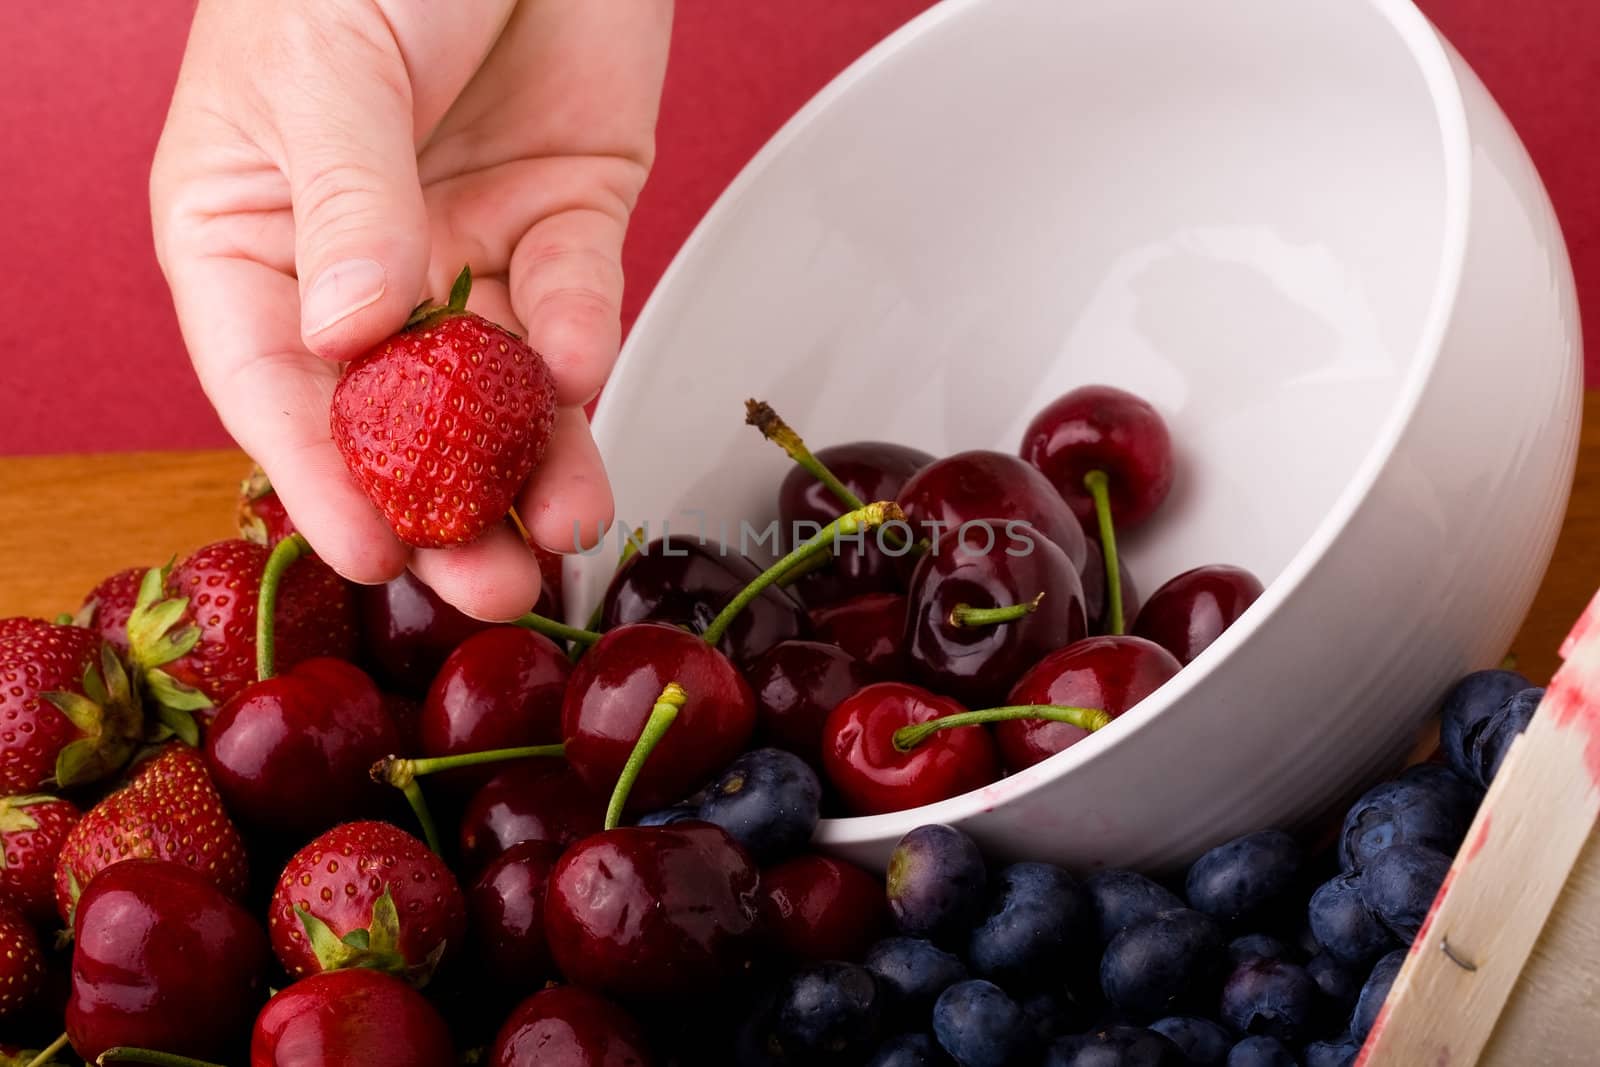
(67, 712)
(21, 963)
(32, 831)
(366, 894)
(442, 423)
(262, 518)
(197, 648)
(170, 810)
(107, 607)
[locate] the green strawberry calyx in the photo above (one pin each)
(107, 715)
(426, 313)
(375, 946)
(155, 639)
(251, 526)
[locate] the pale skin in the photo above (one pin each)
(328, 164)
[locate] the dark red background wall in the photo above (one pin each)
(90, 354)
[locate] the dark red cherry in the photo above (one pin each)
(162, 960)
(872, 470)
(406, 714)
(821, 908)
(952, 644)
(874, 776)
(796, 684)
(1191, 611)
(658, 912)
(990, 488)
(1109, 673)
(506, 905)
(679, 580)
(407, 632)
(1095, 603)
(569, 1027)
(611, 694)
(290, 755)
(350, 1018)
(501, 688)
(1098, 427)
(532, 800)
(871, 628)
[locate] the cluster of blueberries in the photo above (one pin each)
(1026, 965)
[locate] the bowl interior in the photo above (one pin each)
(1234, 210)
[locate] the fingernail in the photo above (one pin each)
(341, 291)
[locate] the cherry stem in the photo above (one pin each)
(124, 1054)
(1091, 719)
(666, 709)
(967, 615)
(847, 525)
(559, 631)
(395, 771)
(1097, 483)
(285, 553)
(48, 1054)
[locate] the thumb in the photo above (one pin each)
(361, 229)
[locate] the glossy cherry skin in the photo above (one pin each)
(978, 664)
(796, 684)
(615, 686)
(872, 470)
(657, 912)
(161, 959)
(1188, 613)
(871, 628)
(501, 688)
(291, 755)
(679, 580)
(821, 908)
(1098, 427)
(350, 1018)
(1109, 673)
(873, 777)
(569, 1027)
(407, 632)
(991, 487)
(506, 905)
(536, 800)
(1095, 603)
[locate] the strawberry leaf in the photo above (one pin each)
(171, 693)
(177, 722)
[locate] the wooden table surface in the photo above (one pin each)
(66, 522)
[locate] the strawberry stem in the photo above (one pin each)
(558, 631)
(847, 525)
(967, 615)
(1097, 483)
(666, 709)
(125, 1054)
(43, 1059)
(1091, 719)
(287, 551)
(460, 290)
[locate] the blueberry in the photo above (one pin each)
(1246, 876)
(1461, 793)
(769, 800)
(828, 1009)
(912, 973)
(1400, 884)
(1339, 983)
(1467, 707)
(1259, 1050)
(1055, 1012)
(1171, 960)
(935, 882)
(668, 816)
(980, 1026)
(1343, 924)
(1126, 898)
(1269, 997)
(1339, 1053)
(1038, 920)
(1116, 1046)
(1492, 743)
(909, 1050)
(1257, 947)
(1204, 1042)
(1374, 993)
(1407, 811)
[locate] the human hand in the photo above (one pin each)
(328, 164)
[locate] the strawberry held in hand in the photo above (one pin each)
(442, 423)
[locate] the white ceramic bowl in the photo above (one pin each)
(1303, 231)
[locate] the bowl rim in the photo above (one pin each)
(1428, 52)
